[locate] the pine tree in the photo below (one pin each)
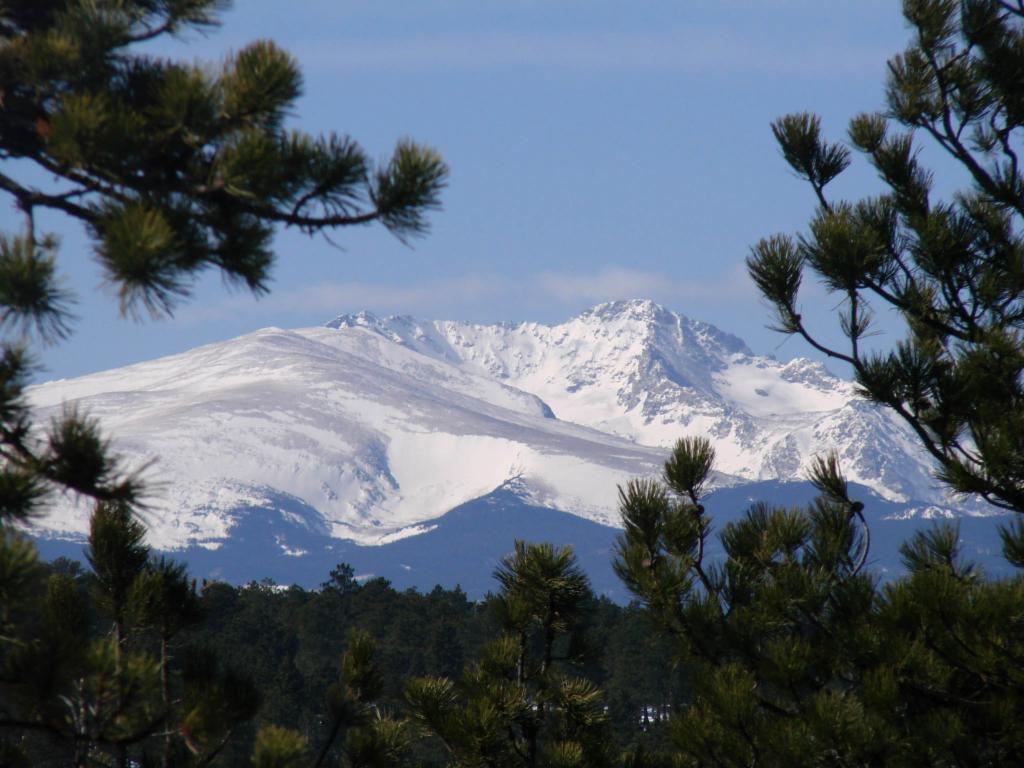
(944, 652)
(172, 168)
(799, 656)
(171, 606)
(368, 736)
(118, 557)
(951, 268)
(515, 706)
(99, 694)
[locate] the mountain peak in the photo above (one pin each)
(619, 334)
(361, 319)
(658, 320)
(633, 309)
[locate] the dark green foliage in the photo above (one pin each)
(317, 675)
(815, 161)
(117, 555)
(172, 168)
(215, 700)
(29, 292)
(310, 667)
(88, 674)
(798, 656)
(278, 747)
(952, 269)
(1013, 542)
(514, 706)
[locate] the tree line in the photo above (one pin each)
(130, 656)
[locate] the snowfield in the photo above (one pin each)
(379, 425)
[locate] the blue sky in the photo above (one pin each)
(598, 150)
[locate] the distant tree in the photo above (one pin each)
(644, 684)
(342, 580)
(360, 733)
(514, 706)
(798, 656)
(951, 268)
(171, 606)
(99, 694)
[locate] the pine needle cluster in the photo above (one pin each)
(516, 705)
(172, 168)
(800, 655)
(952, 269)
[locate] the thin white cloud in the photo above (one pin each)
(670, 50)
(456, 297)
(622, 283)
(330, 297)
(324, 300)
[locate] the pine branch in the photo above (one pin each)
(30, 198)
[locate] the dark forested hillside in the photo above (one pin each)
(290, 641)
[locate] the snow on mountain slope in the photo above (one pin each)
(375, 437)
(643, 372)
(368, 429)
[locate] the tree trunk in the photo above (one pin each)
(165, 693)
(120, 749)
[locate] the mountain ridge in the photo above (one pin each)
(648, 374)
(378, 426)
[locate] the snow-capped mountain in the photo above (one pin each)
(370, 429)
(373, 438)
(640, 371)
